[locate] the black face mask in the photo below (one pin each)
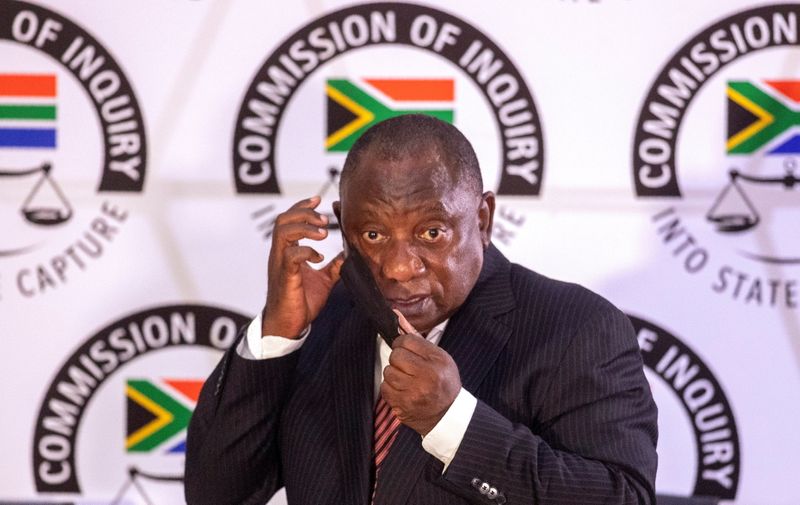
(358, 279)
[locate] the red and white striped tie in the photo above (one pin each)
(386, 428)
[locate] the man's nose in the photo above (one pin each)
(401, 263)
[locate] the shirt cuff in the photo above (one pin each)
(257, 346)
(443, 440)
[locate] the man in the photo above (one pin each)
(534, 392)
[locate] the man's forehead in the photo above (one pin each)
(423, 203)
(415, 172)
(424, 189)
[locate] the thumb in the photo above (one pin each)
(334, 268)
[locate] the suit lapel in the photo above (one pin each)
(402, 468)
(474, 338)
(353, 376)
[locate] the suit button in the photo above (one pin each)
(501, 499)
(484, 488)
(492, 494)
(476, 483)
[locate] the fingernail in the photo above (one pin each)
(322, 230)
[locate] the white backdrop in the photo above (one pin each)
(149, 247)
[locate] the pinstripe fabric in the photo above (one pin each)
(564, 412)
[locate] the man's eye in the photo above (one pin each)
(431, 234)
(372, 236)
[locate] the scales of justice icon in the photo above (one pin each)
(35, 209)
(744, 215)
(135, 479)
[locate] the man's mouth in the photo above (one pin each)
(409, 306)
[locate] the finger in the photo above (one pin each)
(293, 232)
(404, 324)
(296, 257)
(414, 343)
(396, 378)
(334, 268)
(307, 203)
(301, 215)
(390, 394)
(406, 361)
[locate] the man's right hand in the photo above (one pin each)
(296, 292)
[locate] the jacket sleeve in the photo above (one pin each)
(232, 452)
(596, 442)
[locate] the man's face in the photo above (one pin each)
(422, 232)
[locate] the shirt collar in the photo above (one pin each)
(435, 334)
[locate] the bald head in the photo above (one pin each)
(411, 135)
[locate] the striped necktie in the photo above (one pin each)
(386, 428)
(387, 424)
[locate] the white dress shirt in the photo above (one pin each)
(441, 442)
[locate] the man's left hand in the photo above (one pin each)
(420, 382)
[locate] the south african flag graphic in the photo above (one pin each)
(28, 111)
(159, 413)
(763, 116)
(354, 106)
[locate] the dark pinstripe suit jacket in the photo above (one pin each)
(564, 412)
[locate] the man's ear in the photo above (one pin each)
(337, 210)
(486, 217)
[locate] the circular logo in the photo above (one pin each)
(729, 195)
(704, 405)
(128, 391)
(57, 174)
(332, 79)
